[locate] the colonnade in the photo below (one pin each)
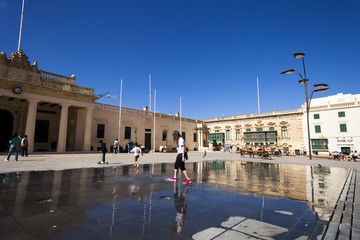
(62, 134)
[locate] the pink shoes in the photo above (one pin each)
(173, 179)
(187, 181)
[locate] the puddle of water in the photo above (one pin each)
(230, 199)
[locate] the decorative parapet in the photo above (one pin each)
(17, 68)
(57, 77)
(55, 81)
(252, 115)
(142, 112)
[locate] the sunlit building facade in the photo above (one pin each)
(59, 116)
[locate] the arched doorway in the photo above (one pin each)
(6, 123)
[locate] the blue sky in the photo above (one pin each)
(209, 52)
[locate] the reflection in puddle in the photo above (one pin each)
(231, 199)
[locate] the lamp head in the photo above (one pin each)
(299, 55)
(288, 71)
(321, 90)
(321, 85)
(303, 81)
(108, 96)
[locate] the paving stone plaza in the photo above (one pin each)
(69, 196)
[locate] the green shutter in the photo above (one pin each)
(341, 114)
(164, 136)
(317, 116)
(343, 127)
(317, 129)
(227, 134)
(127, 132)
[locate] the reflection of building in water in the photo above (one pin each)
(259, 178)
(323, 188)
(319, 186)
(83, 192)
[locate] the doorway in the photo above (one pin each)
(347, 149)
(6, 123)
(148, 141)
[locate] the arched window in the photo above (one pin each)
(284, 132)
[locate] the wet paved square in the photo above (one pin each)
(227, 200)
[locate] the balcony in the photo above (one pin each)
(260, 137)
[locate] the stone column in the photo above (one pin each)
(61, 146)
(30, 123)
(87, 132)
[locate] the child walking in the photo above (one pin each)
(180, 158)
(103, 149)
(137, 151)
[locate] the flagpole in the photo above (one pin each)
(154, 117)
(150, 92)
(21, 24)
(257, 79)
(180, 115)
(121, 82)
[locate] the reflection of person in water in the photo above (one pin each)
(98, 176)
(180, 206)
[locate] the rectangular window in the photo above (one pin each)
(238, 134)
(227, 134)
(100, 131)
(127, 132)
(259, 129)
(341, 114)
(41, 131)
(316, 116)
(183, 135)
(343, 127)
(248, 130)
(317, 129)
(271, 129)
(164, 137)
(195, 137)
(284, 132)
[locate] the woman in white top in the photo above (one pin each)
(180, 158)
(137, 151)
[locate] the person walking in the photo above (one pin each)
(116, 146)
(14, 144)
(180, 158)
(103, 150)
(24, 146)
(137, 151)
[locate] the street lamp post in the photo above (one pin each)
(103, 94)
(308, 95)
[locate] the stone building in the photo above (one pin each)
(58, 115)
(334, 123)
(273, 130)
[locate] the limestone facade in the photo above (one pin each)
(334, 124)
(247, 131)
(58, 115)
